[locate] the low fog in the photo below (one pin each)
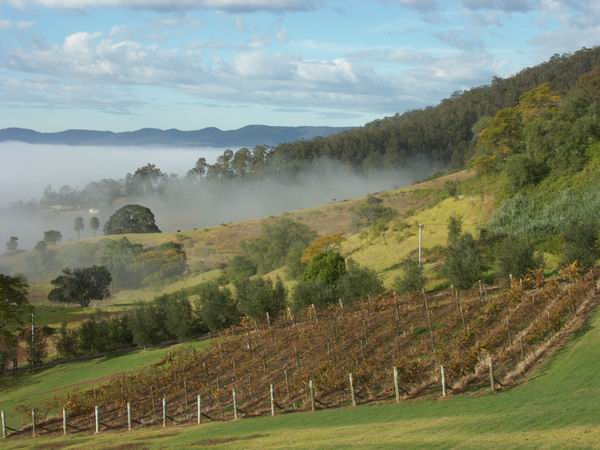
(28, 169)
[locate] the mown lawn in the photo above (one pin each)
(559, 407)
(35, 388)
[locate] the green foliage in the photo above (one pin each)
(523, 171)
(216, 307)
(13, 301)
(413, 279)
(257, 297)
(66, 342)
(328, 278)
(36, 347)
(313, 292)
(358, 283)
(52, 237)
(463, 265)
(371, 212)
(131, 219)
(81, 285)
(581, 244)
(327, 267)
(293, 261)
(240, 268)
(516, 256)
(278, 237)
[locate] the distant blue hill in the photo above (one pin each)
(248, 136)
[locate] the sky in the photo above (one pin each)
(127, 64)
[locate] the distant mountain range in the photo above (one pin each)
(247, 136)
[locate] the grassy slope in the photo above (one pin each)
(556, 408)
(65, 378)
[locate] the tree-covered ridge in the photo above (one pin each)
(445, 132)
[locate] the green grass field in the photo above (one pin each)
(558, 407)
(41, 386)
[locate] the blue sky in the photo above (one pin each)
(187, 64)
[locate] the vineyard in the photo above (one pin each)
(381, 349)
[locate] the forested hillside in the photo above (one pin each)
(442, 133)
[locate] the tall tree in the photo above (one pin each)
(78, 226)
(14, 304)
(94, 224)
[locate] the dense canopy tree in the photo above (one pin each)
(131, 219)
(81, 285)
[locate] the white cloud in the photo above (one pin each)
(174, 5)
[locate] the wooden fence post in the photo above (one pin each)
(199, 408)
(97, 417)
(311, 389)
(352, 389)
(3, 421)
(272, 394)
(268, 320)
(128, 416)
(235, 411)
(64, 422)
(33, 422)
(164, 402)
(492, 387)
(443, 373)
(396, 386)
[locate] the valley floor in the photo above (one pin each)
(558, 407)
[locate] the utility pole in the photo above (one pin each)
(421, 226)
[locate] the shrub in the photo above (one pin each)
(370, 212)
(413, 279)
(315, 292)
(258, 297)
(516, 256)
(463, 265)
(326, 267)
(358, 283)
(216, 307)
